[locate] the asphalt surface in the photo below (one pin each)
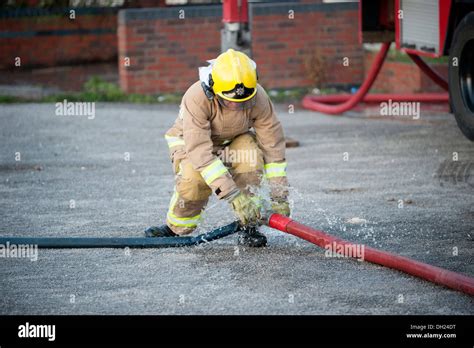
(390, 160)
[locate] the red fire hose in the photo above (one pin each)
(422, 270)
(379, 97)
(428, 71)
(347, 102)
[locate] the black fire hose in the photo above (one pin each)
(130, 242)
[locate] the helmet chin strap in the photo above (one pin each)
(206, 79)
(208, 91)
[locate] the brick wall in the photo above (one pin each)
(404, 77)
(281, 45)
(166, 51)
(45, 39)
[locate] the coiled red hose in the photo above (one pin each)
(347, 101)
(422, 270)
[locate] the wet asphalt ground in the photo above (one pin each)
(389, 183)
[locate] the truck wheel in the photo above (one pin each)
(461, 75)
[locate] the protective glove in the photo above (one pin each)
(281, 206)
(247, 208)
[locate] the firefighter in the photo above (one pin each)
(225, 140)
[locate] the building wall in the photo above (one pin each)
(282, 45)
(165, 51)
(43, 38)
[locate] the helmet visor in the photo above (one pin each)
(239, 92)
(235, 106)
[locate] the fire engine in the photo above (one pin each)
(433, 29)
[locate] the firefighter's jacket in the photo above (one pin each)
(203, 127)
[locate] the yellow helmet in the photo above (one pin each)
(234, 76)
